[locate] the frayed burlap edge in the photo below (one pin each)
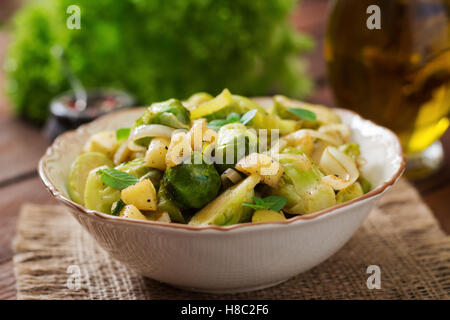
(400, 236)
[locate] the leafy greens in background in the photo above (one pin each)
(155, 49)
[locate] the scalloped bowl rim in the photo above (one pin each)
(242, 226)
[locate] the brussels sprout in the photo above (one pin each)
(170, 113)
(97, 195)
(302, 185)
(79, 172)
(166, 204)
(135, 167)
(192, 185)
(227, 209)
(324, 115)
(238, 104)
(234, 141)
(351, 192)
(263, 120)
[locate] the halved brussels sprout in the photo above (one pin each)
(135, 167)
(324, 115)
(238, 105)
(234, 141)
(79, 172)
(349, 193)
(97, 195)
(227, 209)
(262, 119)
(192, 185)
(302, 185)
(170, 113)
(167, 205)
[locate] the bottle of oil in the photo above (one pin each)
(398, 75)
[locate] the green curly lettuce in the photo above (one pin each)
(155, 49)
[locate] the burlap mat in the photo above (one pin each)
(400, 236)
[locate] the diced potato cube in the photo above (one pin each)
(142, 195)
(179, 149)
(267, 215)
(263, 165)
(104, 142)
(131, 212)
(155, 157)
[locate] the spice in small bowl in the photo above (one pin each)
(67, 113)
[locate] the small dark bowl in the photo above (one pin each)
(65, 116)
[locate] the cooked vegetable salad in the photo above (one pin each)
(220, 161)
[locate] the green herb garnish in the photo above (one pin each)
(303, 113)
(117, 179)
(119, 206)
(217, 124)
(275, 203)
(122, 134)
(233, 118)
(248, 116)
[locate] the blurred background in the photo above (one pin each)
(136, 52)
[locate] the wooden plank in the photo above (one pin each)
(21, 146)
(11, 199)
(439, 203)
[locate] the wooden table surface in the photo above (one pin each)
(21, 146)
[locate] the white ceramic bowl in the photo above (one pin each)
(237, 258)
